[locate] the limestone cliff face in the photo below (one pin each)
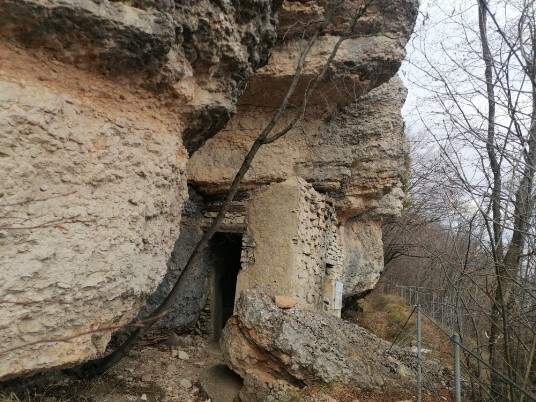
(100, 103)
(90, 205)
(109, 108)
(350, 143)
(200, 54)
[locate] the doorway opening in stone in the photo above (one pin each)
(226, 250)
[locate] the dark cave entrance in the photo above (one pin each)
(226, 250)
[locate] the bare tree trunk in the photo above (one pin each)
(498, 313)
(507, 268)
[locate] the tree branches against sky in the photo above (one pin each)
(446, 110)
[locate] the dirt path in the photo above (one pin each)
(157, 370)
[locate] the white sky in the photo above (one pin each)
(446, 48)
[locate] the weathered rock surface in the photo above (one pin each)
(363, 262)
(358, 155)
(350, 143)
(323, 148)
(198, 53)
(277, 351)
(92, 165)
(90, 207)
(370, 55)
(103, 101)
(193, 294)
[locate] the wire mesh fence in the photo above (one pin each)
(474, 378)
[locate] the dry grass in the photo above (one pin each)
(384, 315)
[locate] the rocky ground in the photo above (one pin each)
(160, 369)
(173, 368)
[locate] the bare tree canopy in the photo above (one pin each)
(468, 233)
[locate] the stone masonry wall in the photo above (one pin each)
(321, 259)
(293, 246)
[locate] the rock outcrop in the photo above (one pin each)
(100, 104)
(349, 145)
(280, 351)
(198, 53)
(109, 110)
(90, 207)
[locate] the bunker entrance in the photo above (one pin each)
(226, 250)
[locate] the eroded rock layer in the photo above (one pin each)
(100, 103)
(349, 143)
(91, 200)
(198, 53)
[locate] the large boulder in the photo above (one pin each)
(280, 351)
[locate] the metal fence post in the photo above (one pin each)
(419, 355)
(457, 374)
